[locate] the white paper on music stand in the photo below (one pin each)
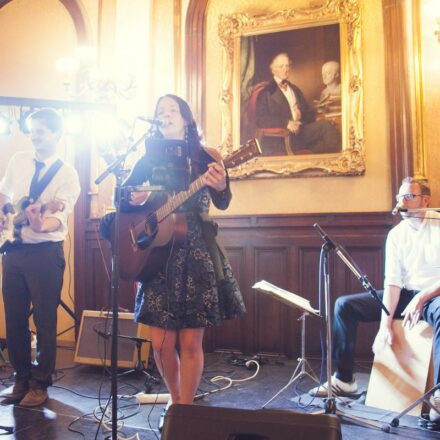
(285, 296)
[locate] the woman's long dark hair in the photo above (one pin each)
(191, 131)
(192, 136)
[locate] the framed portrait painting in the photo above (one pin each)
(293, 80)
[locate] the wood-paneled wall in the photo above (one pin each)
(282, 249)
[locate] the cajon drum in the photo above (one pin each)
(400, 373)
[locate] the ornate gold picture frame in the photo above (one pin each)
(238, 32)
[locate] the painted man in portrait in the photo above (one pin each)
(281, 104)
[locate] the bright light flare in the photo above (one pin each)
(86, 53)
(67, 64)
(73, 123)
(106, 127)
(110, 133)
(5, 125)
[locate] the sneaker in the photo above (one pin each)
(434, 416)
(339, 388)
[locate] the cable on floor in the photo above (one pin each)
(230, 382)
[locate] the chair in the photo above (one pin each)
(282, 133)
(402, 372)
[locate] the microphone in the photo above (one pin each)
(325, 237)
(398, 208)
(155, 121)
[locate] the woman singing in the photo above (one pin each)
(195, 288)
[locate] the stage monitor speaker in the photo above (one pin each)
(189, 422)
(93, 345)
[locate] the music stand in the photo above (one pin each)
(425, 399)
(303, 368)
(329, 245)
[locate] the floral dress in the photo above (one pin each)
(187, 292)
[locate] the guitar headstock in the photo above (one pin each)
(246, 152)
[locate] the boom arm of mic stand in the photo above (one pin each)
(361, 277)
(116, 164)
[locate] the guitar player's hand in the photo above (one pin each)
(215, 177)
(38, 222)
(34, 216)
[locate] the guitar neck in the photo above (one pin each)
(243, 154)
(180, 198)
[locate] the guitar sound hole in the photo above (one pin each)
(146, 237)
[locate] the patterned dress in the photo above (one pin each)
(186, 293)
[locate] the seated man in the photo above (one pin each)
(281, 104)
(411, 290)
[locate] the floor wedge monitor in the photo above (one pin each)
(189, 422)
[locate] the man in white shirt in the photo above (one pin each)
(411, 290)
(33, 266)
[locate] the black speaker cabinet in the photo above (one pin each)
(93, 345)
(194, 422)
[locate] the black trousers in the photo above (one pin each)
(33, 273)
(362, 307)
(319, 137)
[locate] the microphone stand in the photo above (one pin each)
(330, 403)
(363, 279)
(116, 168)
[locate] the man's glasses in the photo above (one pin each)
(408, 197)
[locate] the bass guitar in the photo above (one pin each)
(145, 236)
(15, 218)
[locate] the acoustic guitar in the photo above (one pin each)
(145, 236)
(15, 218)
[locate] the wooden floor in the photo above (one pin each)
(80, 390)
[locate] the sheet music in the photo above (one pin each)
(285, 296)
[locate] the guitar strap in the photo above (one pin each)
(215, 249)
(227, 298)
(47, 178)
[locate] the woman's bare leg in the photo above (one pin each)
(167, 360)
(191, 362)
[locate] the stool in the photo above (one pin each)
(402, 372)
